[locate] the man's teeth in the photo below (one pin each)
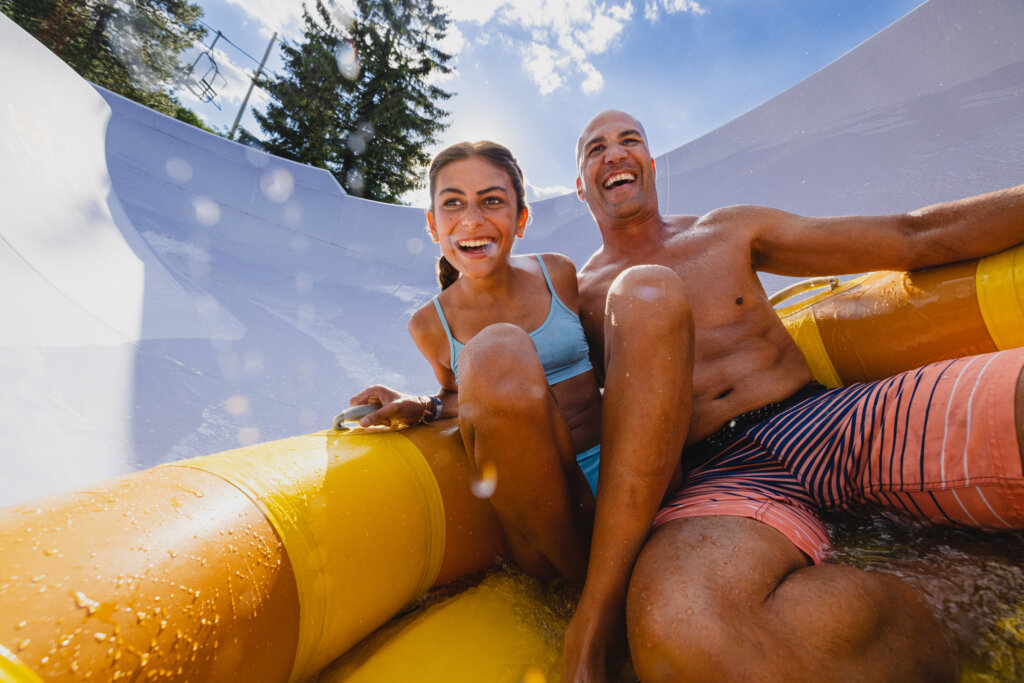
(618, 178)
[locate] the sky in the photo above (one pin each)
(530, 73)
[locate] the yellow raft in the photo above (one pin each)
(267, 563)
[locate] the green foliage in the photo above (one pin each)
(128, 46)
(368, 119)
(185, 114)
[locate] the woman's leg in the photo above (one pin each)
(510, 422)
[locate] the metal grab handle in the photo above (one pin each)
(353, 414)
(830, 281)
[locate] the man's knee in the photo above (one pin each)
(680, 618)
(649, 297)
(697, 595)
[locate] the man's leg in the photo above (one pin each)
(645, 417)
(510, 422)
(732, 599)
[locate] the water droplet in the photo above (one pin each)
(485, 485)
(237, 405)
(347, 58)
(355, 182)
(90, 606)
(534, 675)
(277, 185)
(207, 211)
(179, 170)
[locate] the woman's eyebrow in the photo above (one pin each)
(493, 188)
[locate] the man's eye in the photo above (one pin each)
(595, 149)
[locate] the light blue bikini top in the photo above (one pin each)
(561, 344)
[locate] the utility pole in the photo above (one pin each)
(252, 84)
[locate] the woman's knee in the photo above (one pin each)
(500, 366)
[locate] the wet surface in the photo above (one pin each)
(974, 581)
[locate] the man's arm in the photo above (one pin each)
(789, 244)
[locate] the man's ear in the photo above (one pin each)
(579, 190)
(432, 227)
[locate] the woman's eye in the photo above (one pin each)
(452, 203)
(493, 201)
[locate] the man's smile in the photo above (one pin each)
(619, 179)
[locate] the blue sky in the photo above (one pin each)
(530, 73)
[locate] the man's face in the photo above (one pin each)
(616, 172)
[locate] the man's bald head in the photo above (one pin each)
(587, 136)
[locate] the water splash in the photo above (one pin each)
(485, 485)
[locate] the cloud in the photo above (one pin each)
(564, 35)
(535, 193)
(652, 8)
(273, 15)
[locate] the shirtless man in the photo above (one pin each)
(732, 584)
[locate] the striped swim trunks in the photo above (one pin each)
(938, 443)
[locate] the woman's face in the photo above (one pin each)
(474, 216)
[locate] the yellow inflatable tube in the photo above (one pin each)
(888, 322)
(259, 564)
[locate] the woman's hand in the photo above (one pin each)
(405, 408)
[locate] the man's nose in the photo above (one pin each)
(614, 153)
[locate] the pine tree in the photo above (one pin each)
(358, 99)
(128, 46)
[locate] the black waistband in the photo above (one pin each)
(713, 443)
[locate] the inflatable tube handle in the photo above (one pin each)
(353, 414)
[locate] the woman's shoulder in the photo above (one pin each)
(425, 319)
(558, 265)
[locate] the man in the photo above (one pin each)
(732, 584)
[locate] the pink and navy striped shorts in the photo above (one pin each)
(938, 443)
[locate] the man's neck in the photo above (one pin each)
(624, 237)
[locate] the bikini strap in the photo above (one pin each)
(447, 330)
(551, 285)
(547, 278)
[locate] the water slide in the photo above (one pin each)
(169, 293)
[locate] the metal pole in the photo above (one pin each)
(252, 84)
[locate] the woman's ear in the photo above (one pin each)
(524, 217)
(432, 227)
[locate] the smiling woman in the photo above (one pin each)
(504, 339)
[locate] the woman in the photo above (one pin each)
(505, 341)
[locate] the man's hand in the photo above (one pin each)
(595, 648)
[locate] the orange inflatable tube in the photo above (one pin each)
(888, 322)
(260, 564)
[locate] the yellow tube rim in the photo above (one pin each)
(12, 670)
(1000, 285)
(362, 520)
(803, 327)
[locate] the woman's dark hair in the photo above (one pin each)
(500, 156)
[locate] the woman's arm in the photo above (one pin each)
(428, 335)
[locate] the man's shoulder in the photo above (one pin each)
(727, 217)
